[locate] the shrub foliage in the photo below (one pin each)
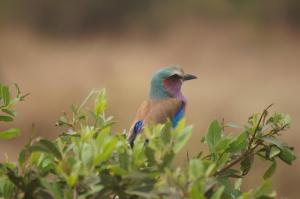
(87, 160)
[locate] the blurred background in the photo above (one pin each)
(245, 53)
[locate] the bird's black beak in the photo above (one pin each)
(189, 77)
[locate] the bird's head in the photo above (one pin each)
(167, 82)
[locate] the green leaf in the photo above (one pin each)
(234, 126)
(253, 121)
(100, 103)
(279, 121)
(18, 90)
(287, 120)
(9, 112)
(196, 191)
(287, 155)
(96, 189)
(16, 179)
(231, 172)
(9, 134)
(238, 184)
(5, 95)
(6, 118)
(106, 151)
(239, 143)
(150, 154)
(182, 137)
(7, 188)
(141, 194)
(167, 159)
(223, 159)
(213, 135)
(51, 147)
(223, 144)
(218, 193)
(196, 168)
(166, 133)
(62, 121)
(87, 154)
(264, 190)
(38, 148)
(22, 156)
(246, 164)
(270, 171)
(274, 141)
(274, 152)
(230, 191)
(1, 86)
(47, 146)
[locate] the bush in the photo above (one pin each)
(88, 161)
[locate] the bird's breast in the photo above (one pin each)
(159, 111)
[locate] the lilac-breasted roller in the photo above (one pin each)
(165, 101)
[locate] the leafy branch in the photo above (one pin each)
(250, 149)
(259, 136)
(90, 161)
(7, 112)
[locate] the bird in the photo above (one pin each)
(165, 101)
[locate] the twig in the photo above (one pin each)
(250, 149)
(258, 124)
(239, 159)
(75, 194)
(223, 124)
(187, 156)
(275, 131)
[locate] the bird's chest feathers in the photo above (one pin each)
(161, 110)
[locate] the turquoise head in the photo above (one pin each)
(167, 82)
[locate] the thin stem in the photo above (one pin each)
(239, 159)
(74, 193)
(223, 124)
(275, 131)
(258, 124)
(250, 149)
(87, 99)
(188, 156)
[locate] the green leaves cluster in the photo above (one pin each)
(7, 112)
(89, 161)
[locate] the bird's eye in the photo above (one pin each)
(175, 76)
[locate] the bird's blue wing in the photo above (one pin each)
(179, 115)
(138, 126)
(136, 130)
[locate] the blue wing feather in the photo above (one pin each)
(136, 130)
(138, 126)
(178, 116)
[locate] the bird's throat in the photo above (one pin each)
(173, 87)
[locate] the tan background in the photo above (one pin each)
(243, 65)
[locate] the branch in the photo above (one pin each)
(264, 113)
(239, 159)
